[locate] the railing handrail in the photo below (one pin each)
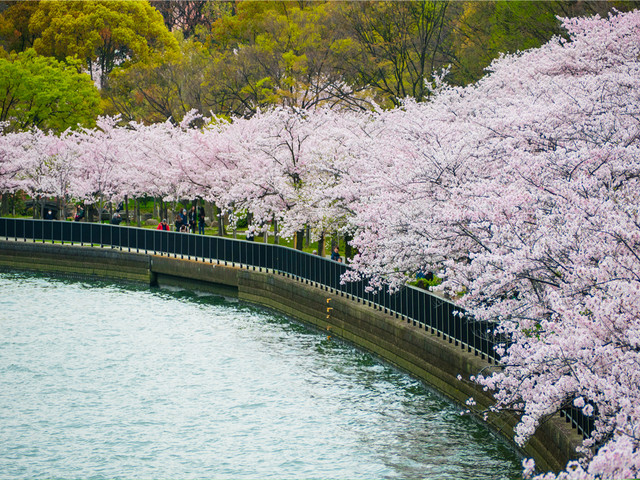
(420, 307)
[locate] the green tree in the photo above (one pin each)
(192, 17)
(14, 26)
(276, 53)
(395, 46)
(104, 34)
(482, 31)
(256, 55)
(163, 86)
(42, 92)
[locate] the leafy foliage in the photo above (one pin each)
(41, 92)
(234, 58)
(396, 46)
(104, 34)
(163, 86)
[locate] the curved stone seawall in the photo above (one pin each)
(424, 355)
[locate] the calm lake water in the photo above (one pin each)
(101, 381)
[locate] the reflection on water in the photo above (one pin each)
(106, 381)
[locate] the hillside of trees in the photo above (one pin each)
(151, 61)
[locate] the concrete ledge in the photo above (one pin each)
(68, 260)
(426, 356)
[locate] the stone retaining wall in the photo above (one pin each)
(74, 261)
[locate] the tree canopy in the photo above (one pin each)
(103, 34)
(396, 46)
(41, 92)
(157, 60)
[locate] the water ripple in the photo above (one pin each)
(101, 381)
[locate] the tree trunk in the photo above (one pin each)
(299, 239)
(220, 216)
(137, 207)
(62, 212)
(276, 239)
(4, 210)
(209, 210)
(321, 245)
(126, 209)
(222, 231)
(250, 236)
(100, 208)
(348, 249)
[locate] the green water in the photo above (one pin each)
(105, 381)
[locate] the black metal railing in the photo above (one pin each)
(419, 307)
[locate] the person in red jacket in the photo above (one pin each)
(163, 225)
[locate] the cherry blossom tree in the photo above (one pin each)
(39, 169)
(101, 162)
(152, 166)
(565, 254)
(340, 170)
(523, 188)
(270, 155)
(208, 158)
(61, 164)
(12, 155)
(418, 153)
(38, 163)
(212, 162)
